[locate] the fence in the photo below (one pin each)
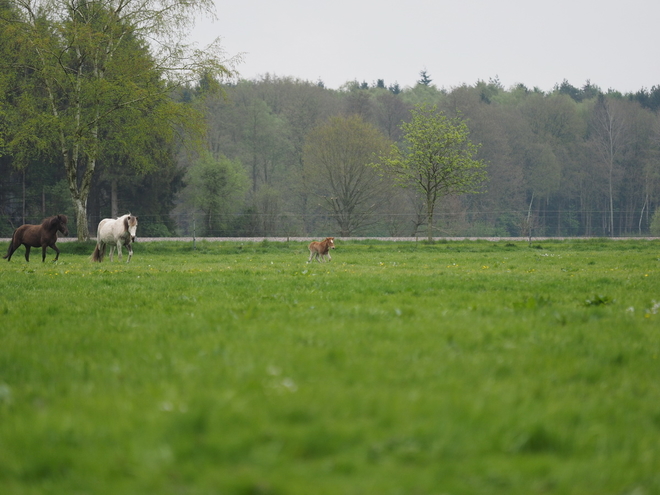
(493, 224)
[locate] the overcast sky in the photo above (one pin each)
(612, 44)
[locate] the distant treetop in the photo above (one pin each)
(425, 78)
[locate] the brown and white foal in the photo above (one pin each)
(319, 250)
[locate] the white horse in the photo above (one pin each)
(115, 232)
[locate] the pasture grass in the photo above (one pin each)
(397, 368)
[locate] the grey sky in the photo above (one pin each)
(613, 44)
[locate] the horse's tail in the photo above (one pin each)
(97, 255)
(10, 249)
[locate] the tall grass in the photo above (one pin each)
(459, 367)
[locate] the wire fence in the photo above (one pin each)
(506, 224)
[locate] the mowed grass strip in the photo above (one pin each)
(458, 367)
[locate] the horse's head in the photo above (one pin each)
(59, 222)
(331, 242)
(131, 223)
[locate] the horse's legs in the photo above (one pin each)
(130, 252)
(119, 249)
(53, 246)
(112, 251)
(27, 252)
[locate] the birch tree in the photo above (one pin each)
(75, 48)
(609, 137)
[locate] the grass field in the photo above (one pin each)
(397, 368)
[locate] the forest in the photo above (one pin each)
(235, 157)
(575, 161)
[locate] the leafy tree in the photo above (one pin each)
(264, 142)
(216, 188)
(389, 112)
(649, 99)
(502, 135)
(79, 52)
(437, 158)
(336, 159)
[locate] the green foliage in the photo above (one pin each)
(6, 229)
(94, 81)
(655, 223)
(148, 229)
(437, 158)
(598, 300)
(216, 188)
(396, 368)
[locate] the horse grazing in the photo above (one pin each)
(320, 249)
(115, 232)
(44, 235)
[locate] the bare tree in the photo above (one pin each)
(337, 156)
(608, 138)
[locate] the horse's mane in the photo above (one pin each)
(47, 221)
(54, 221)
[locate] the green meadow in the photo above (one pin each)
(396, 368)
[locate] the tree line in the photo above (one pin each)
(574, 161)
(94, 123)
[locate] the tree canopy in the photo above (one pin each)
(436, 157)
(87, 62)
(547, 157)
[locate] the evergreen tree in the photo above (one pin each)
(425, 79)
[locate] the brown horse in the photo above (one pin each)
(44, 235)
(321, 249)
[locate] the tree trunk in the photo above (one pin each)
(641, 215)
(23, 205)
(611, 191)
(79, 194)
(80, 207)
(114, 210)
(429, 219)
